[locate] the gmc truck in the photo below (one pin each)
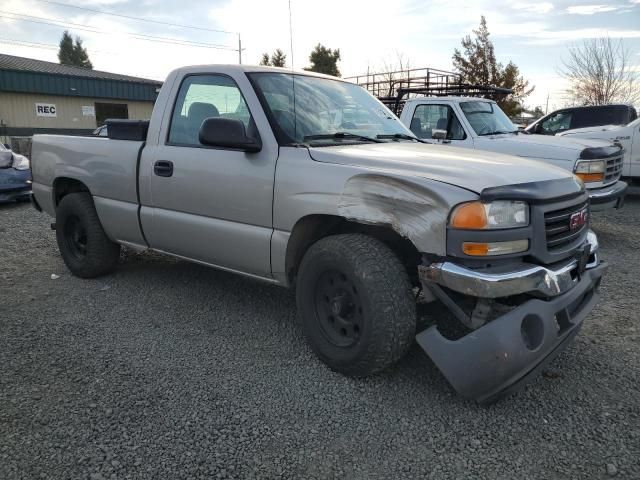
(480, 124)
(307, 181)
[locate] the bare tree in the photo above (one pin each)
(600, 71)
(393, 73)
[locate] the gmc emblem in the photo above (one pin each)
(579, 219)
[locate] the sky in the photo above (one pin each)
(535, 35)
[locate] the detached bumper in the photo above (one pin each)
(505, 353)
(611, 196)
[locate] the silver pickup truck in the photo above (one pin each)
(305, 180)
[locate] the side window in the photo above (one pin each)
(426, 118)
(584, 117)
(556, 123)
(615, 115)
(201, 97)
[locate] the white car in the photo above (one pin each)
(480, 124)
(626, 135)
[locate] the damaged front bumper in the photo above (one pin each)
(506, 352)
(508, 281)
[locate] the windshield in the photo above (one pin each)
(486, 118)
(313, 110)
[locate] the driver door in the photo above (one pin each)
(209, 204)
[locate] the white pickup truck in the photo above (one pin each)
(626, 135)
(480, 124)
(305, 180)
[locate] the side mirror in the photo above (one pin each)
(7, 146)
(439, 134)
(227, 133)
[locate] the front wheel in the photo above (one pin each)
(85, 248)
(356, 303)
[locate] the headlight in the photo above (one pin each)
(591, 171)
(486, 216)
(20, 162)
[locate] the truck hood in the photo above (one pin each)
(470, 169)
(600, 131)
(543, 147)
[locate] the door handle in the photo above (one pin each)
(163, 168)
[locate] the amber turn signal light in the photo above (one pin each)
(476, 249)
(590, 177)
(469, 216)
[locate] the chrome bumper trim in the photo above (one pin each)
(496, 282)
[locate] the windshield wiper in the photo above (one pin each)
(499, 132)
(401, 136)
(340, 136)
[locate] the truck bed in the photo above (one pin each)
(107, 167)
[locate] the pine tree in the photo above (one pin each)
(478, 65)
(81, 56)
(65, 52)
(73, 53)
(277, 59)
(265, 60)
(324, 60)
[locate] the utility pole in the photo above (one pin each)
(546, 110)
(239, 50)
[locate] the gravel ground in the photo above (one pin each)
(167, 369)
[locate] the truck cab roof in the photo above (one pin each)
(234, 68)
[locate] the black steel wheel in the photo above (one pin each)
(338, 308)
(85, 248)
(356, 304)
(75, 237)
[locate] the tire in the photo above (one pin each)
(85, 248)
(356, 304)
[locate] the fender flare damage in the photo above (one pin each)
(407, 207)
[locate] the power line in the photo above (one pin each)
(89, 28)
(23, 43)
(103, 12)
(47, 46)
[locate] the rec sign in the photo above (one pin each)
(46, 110)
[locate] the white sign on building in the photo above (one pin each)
(46, 110)
(88, 111)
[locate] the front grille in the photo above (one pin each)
(614, 169)
(558, 227)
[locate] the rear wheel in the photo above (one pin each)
(85, 248)
(356, 303)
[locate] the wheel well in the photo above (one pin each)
(312, 228)
(64, 186)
